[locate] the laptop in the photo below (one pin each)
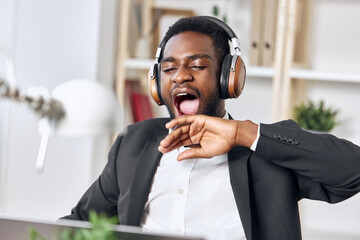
(18, 229)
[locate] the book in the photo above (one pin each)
(141, 106)
(137, 103)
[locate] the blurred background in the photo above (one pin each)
(296, 51)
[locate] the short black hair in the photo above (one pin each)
(204, 26)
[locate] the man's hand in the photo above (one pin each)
(207, 136)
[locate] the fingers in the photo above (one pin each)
(195, 152)
(175, 136)
(183, 134)
(175, 145)
(214, 136)
(185, 119)
(192, 153)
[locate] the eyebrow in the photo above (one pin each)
(198, 56)
(192, 57)
(168, 59)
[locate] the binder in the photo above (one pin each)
(256, 32)
(141, 106)
(268, 41)
(137, 104)
(131, 85)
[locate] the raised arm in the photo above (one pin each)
(319, 160)
(208, 136)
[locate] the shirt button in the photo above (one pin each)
(180, 191)
(178, 229)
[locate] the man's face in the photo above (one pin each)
(189, 76)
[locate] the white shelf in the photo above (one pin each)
(139, 64)
(267, 72)
(324, 76)
(306, 74)
(264, 72)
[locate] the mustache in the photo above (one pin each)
(185, 85)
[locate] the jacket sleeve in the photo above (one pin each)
(103, 194)
(326, 168)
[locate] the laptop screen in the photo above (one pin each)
(18, 229)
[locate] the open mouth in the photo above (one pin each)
(185, 103)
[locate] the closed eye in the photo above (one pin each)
(166, 70)
(198, 67)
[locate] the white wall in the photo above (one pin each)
(54, 41)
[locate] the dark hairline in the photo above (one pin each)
(219, 37)
(191, 57)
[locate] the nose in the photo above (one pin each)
(182, 75)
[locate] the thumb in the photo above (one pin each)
(191, 153)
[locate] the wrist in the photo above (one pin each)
(246, 133)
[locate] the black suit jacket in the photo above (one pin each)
(288, 164)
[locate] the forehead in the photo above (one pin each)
(188, 43)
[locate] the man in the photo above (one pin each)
(202, 173)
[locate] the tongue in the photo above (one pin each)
(189, 107)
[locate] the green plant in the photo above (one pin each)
(216, 11)
(315, 117)
(101, 229)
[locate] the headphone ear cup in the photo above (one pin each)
(154, 86)
(237, 77)
(224, 76)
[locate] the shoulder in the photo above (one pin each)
(147, 129)
(136, 135)
(148, 126)
(154, 122)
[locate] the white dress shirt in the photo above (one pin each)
(193, 198)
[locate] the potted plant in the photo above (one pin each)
(315, 117)
(101, 228)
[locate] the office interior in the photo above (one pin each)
(112, 42)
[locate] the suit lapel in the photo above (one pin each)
(145, 170)
(239, 178)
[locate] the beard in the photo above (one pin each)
(212, 105)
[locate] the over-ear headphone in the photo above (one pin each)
(232, 75)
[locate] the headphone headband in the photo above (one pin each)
(230, 33)
(223, 25)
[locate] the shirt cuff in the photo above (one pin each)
(254, 145)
